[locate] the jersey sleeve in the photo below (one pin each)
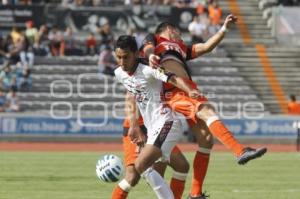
(157, 73)
(118, 74)
(191, 53)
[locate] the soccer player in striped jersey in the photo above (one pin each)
(167, 47)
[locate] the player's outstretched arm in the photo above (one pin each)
(211, 43)
(166, 76)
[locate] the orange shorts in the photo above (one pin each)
(180, 102)
(131, 151)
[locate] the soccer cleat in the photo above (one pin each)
(250, 154)
(203, 196)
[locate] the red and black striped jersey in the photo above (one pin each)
(163, 45)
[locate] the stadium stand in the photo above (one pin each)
(233, 73)
(283, 59)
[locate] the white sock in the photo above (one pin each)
(179, 175)
(211, 120)
(157, 183)
(124, 185)
(204, 150)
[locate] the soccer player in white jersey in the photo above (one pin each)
(163, 130)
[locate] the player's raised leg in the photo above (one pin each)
(216, 126)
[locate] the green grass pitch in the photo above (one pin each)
(71, 175)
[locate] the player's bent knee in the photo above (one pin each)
(209, 140)
(205, 112)
(184, 167)
(180, 164)
(140, 166)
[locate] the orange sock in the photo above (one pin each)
(177, 184)
(119, 193)
(200, 166)
(218, 129)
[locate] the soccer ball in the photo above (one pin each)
(109, 168)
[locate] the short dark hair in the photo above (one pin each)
(163, 26)
(126, 42)
(293, 97)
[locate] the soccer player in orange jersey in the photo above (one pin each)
(167, 47)
(293, 106)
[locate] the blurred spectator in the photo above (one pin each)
(96, 2)
(7, 78)
(215, 13)
(31, 32)
(24, 81)
(26, 51)
(198, 30)
(132, 2)
(139, 36)
(70, 44)
(82, 3)
(293, 106)
(12, 101)
(103, 2)
(8, 48)
(182, 3)
(15, 34)
(57, 45)
(2, 49)
(2, 101)
(76, 3)
(91, 44)
(41, 43)
(157, 2)
(92, 24)
(107, 62)
(107, 36)
(25, 2)
(13, 49)
(201, 9)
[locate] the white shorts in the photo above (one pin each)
(165, 137)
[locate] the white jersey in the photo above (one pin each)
(148, 91)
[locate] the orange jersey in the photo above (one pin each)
(163, 46)
(294, 108)
(178, 100)
(215, 14)
(169, 49)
